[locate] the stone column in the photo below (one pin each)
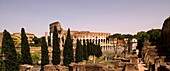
(51, 39)
(61, 48)
(61, 43)
(82, 41)
(125, 47)
(46, 37)
(94, 59)
(105, 44)
(134, 59)
(104, 48)
(50, 56)
(109, 47)
(157, 63)
(50, 51)
(49, 67)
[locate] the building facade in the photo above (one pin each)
(94, 37)
(30, 36)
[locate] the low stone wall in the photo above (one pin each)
(116, 65)
(26, 67)
(98, 67)
(88, 67)
(51, 67)
(76, 67)
(94, 68)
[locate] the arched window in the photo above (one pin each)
(98, 40)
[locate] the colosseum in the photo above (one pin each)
(95, 37)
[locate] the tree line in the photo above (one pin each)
(153, 36)
(12, 62)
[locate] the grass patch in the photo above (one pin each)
(108, 62)
(90, 61)
(99, 60)
(109, 53)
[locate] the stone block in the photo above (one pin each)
(131, 67)
(51, 67)
(134, 59)
(26, 67)
(116, 63)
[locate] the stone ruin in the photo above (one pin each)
(26, 67)
(115, 65)
(131, 67)
(165, 40)
(157, 58)
(51, 67)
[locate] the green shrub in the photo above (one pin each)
(99, 60)
(35, 57)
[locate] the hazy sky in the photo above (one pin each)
(112, 16)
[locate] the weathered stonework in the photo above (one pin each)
(51, 67)
(83, 35)
(89, 67)
(131, 67)
(134, 59)
(165, 40)
(94, 37)
(26, 67)
(157, 58)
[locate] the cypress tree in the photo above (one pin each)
(99, 51)
(85, 53)
(25, 50)
(79, 51)
(56, 49)
(68, 50)
(88, 48)
(2, 65)
(93, 49)
(44, 53)
(11, 62)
